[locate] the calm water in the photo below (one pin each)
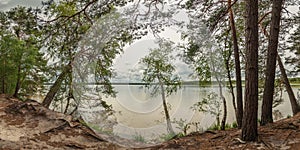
(140, 113)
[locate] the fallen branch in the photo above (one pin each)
(287, 137)
(266, 144)
(57, 128)
(239, 140)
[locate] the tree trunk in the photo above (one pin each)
(18, 84)
(67, 105)
(3, 85)
(239, 89)
(249, 125)
(3, 78)
(231, 86)
(163, 96)
(218, 119)
(293, 100)
(223, 123)
(74, 110)
(70, 94)
(55, 87)
(268, 95)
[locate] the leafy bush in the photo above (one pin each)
(182, 125)
(234, 124)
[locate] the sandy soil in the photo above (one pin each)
(28, 125)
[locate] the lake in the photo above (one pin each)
(138, 113)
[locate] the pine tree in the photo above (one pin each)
(249, 125)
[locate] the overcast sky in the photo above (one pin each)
(7, 4)
(132, 53)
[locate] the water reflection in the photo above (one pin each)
(138, 113)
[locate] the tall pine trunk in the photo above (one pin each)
(239, 89)
(249, 125)
(230, 84)
(268, 95)
(295, 106)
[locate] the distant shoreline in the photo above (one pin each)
(293, 81)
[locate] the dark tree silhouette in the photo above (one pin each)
(249, 125)
(266, 116)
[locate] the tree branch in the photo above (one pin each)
(75, 14)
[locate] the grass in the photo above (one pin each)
(167, 137)
(139, 138)
(227, 126)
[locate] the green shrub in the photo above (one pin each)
(228, 126)
(234, 124)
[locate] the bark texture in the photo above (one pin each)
(268, 95)
(295, 106)
(239, 90)
(249, 125)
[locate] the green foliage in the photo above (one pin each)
(159, 75)
(23, 67)
(183, 126)
(294, 41)
(70, 28)
(234, 124)
(211, 105)
(158, 68)
(66, 8)
(214, 127)
(198, 60)
(227, 126)
(196, 53)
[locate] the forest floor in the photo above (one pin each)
(28, 125)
